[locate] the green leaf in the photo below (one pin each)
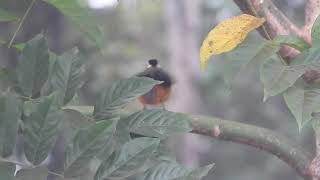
(315, 32)
(265, 51)
(293, 41)
(73, 121)
(10, 113)
(199, 172)
(32, 70)
(122, 135)
(53, 58)
(7, 16)
(302, 103)
(67, 75)
(29, 107)
(75, 101)
(7, 171)
(39, 173)
(86, 144)
(8, 79)
(40, 130)
(2, 42)
(268, 64)
(158, 123)
(252, 53)
(81, 17)
(174, 171)
(316, 124)
(232, 63)
(19, 46)
(47, 88)
(277, 77)
(164, 153)
(270, 48)
(119, 94)
(128, 160)
(310, 57)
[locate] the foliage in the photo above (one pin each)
(80, 17)
(277, 76)
(7, 16)
(33, 110)
(227, 35)
(121, 92)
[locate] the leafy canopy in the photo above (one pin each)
(34, 107)
(277, 76)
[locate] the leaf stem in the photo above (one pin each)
(57, 174)
(21, 23)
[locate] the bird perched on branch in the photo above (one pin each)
(159, 93)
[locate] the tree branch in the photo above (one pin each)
(276, 17)
(261, 138)
(314, 168)
(277, 23)
(312, 11)
(251, 7)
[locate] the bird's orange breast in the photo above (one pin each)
(157, 95)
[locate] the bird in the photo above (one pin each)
(160, 93)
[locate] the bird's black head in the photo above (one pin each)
(153, 62)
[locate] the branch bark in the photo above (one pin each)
(261, 138)
(279, 24)
(182, 18)
(314, 168)
(312, 11)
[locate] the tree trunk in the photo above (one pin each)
(182, 19)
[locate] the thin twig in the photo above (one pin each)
(21, 23)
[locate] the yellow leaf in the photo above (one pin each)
(227, 35)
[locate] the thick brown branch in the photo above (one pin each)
(264, 139)
(312, 11)
(258, 137)
(314, 168)
(279, 18)
(276, 22)
(252, 7)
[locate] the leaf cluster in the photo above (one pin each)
(279, 76)
(34, 115)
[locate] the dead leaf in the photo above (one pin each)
(227, 35)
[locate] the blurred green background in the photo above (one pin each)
(172, 31)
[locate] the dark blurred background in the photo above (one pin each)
(172, 31)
